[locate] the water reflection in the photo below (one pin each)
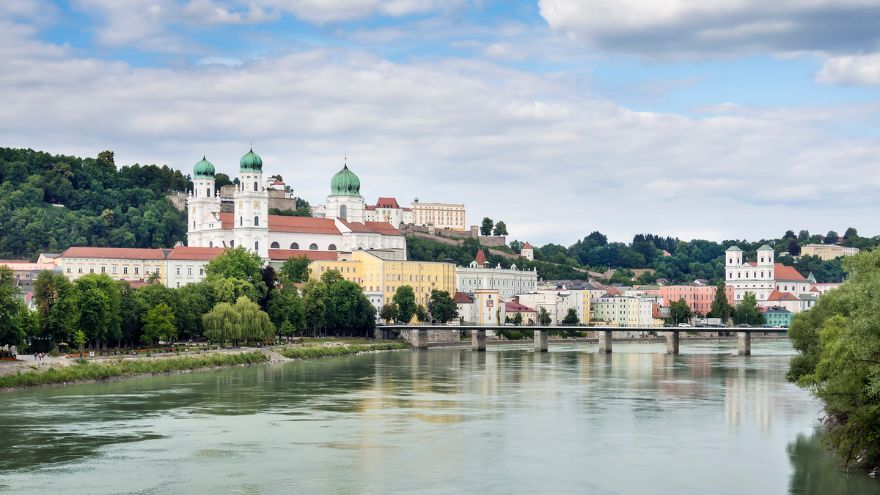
(508, 420)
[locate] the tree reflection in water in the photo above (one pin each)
(817, 471)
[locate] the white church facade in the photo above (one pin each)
(763, 277)
(344, 227)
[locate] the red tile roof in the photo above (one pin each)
(383, 228)
(305, 225)
(387, 203)
(527, 245)
(226, 220)
(370, 208)
(283, 254)
(195, 253)
(782, 296)
(462, 298)
(114, 253)
(481, 258)
(515, 307)
(787, 273)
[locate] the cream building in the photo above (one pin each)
(508, 281)
(380, 275)
(439, 215)
(762, 276)
(388, 210)
(828, 251)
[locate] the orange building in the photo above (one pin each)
(698, 297)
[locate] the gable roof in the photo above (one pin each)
(527, 245)
(284, 254)
(383, 228)
(481, 258)
(387, 203)
(515, 307)
(114, 253)
(305, 225)
(462, 298)
(195, 253)
(782, 296)
(783, 272)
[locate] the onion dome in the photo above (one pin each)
(203, 169)
(251, 161)
(345, 183)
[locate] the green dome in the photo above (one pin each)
(345, 183)
(251, 161)
(203, 170)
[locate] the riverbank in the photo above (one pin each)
(92, 371)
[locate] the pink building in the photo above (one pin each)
(698, 298)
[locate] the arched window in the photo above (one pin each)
(256, 221)
(210, 243)
(194, 224)
(332, 247)
(255, 185)
(241, 221)
(313, 246)
(275, 245)
(343, 212)
(232, 243)
(294, 245)
(208, 192)
(256, 245)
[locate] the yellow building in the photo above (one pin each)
(131, 264)
(380, 277)
(440, 215)
(828, 251)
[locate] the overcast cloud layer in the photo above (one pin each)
(536, 147)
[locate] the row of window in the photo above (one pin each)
(113, 270)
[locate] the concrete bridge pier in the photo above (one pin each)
(744, 343)
(672, 342)
(605, 342)
(478, 340)
(420, 338)
(541, 338)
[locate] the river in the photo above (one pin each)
(505, 421)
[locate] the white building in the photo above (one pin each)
(527, 251)
(343, 228)
(388, 210)
(439, 215)
(762, 276)
(508, 281)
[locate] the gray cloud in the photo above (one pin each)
(851, 69)
(664, 28)
(527, 148)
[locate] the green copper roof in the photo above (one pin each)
(734, 248)
(345, 183)
(203, 170)
(251, 161)
(765, 248)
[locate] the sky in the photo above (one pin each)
(730, 119)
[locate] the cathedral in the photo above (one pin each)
(343, 228)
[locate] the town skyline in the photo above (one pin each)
(500, 107)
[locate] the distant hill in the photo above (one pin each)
(50, 202)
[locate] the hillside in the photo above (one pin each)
(50, 202)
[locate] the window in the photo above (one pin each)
(332, 247)
(189, 271)
(201, 271)
(255, 185)
(136, 270)
(68, 269)
(275, 245)
(208, 192)
(125, 270)
(256, 245)
(91, 270)
(294, 245)
(210, 243)
(241, 221)
(313, 246)
(114, 269)
(232, 243)
(343, 212)
(256, 221)
(194, 224)
(103, 269)
(178, 270)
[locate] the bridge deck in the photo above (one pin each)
(585, 329)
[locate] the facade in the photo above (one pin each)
(508, 281)
(439, 215)
(511, 309)
(130, 264)
(698, 298)
(380, 275)
(487, 307)
(761, 277)
(828, 251)
(344, 226)
(527, 251)
(388, 210)
(24, 273)
(776, 316)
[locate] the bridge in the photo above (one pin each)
(541, 334)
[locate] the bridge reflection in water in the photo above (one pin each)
(541, 334)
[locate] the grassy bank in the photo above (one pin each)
(311, 352)
(88, 371)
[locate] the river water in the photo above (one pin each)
(504, 421)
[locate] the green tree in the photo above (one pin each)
(294, 270)
(421, 314)
(830, 237)
(388, 313)
(544, 317)
(794, 248)
(314, 307)
(159, 325)
(13, 312)
(221, 324)
(680, 312)
(349, 312)
(839, 345)
(98, 308)
(441, 306)
(193, 301)
(79, 338)
(517, 319)
(721, 307)
(239, 264)
(500, 228)
(405, 300)
(571, 318)
(254, 323)
(486, 226)
(55, 299)
(747, 312)
(286, 310)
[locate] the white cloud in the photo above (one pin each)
(526, 148)
(689, 27)
(851, 69)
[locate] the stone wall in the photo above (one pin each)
(439, 336)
